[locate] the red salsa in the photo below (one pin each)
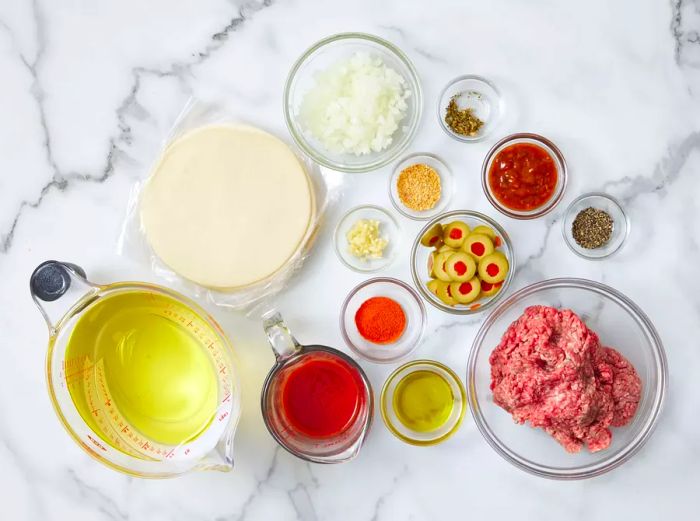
(523, 176)
(322, 395)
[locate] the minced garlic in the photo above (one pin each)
(364, 240)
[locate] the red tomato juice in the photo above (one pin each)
(322, 395)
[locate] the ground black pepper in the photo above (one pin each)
(592, 228)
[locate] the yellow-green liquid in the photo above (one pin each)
(137, 365)
(423, 401)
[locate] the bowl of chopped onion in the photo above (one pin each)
(353, 102)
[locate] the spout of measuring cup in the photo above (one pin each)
(352, 451)
(221, 457)
(55, 287)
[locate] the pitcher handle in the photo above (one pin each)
(280, 338)
(50, 281)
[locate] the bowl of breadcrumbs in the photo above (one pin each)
(421, 186)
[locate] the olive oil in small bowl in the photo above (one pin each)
(423, 402)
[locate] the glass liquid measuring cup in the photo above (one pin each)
(316, 401)
(141, 377)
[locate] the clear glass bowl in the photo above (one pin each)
(420, 255)
(619, 323)
(446, 185)
(411, 436)
(389, 229)
(409, 301)
(476, 93)
(599, 201)
(324, 54)
(554, 153)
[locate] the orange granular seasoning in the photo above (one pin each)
(419, 187)
(380, 320)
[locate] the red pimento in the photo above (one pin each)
(478, 249)
(492, 269)
(523, 176)
(456, 234)
(460, 268)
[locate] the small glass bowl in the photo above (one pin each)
(420, 255)
(446, 185)
(409, 301)
(476, 93)
(599, 201)
(388, 227)
(324, 54)
(403, 432)
(553, 152)
(620, 324)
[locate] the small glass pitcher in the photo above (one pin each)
(87, 396)
(339, 447)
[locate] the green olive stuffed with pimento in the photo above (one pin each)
(466, 264)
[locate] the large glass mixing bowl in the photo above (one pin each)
(620, 324)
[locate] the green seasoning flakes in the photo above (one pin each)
(592, 228)
(462, 121)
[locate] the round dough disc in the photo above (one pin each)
(227, 206)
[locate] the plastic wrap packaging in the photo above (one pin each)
(255, 298)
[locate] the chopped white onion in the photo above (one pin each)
(355, 106)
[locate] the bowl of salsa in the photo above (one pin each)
(524, 176)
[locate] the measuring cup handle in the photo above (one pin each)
(280, 338)
(50, 281)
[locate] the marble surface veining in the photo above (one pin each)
(88, 90)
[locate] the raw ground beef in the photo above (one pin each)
(550, 370)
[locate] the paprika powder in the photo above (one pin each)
(380, 320)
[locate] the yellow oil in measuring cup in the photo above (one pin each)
(146, 373)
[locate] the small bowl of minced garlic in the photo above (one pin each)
(367, 238)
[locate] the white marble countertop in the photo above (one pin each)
(88, 90)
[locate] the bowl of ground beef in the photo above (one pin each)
(566, 378)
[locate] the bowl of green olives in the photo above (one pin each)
(462, 262)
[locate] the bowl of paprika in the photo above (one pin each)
(383, 320)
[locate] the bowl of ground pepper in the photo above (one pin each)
(595, 226)
(382, 320)
(421, 186)
(469, 108)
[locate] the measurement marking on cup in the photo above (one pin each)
(70, 377)
(93, 440)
